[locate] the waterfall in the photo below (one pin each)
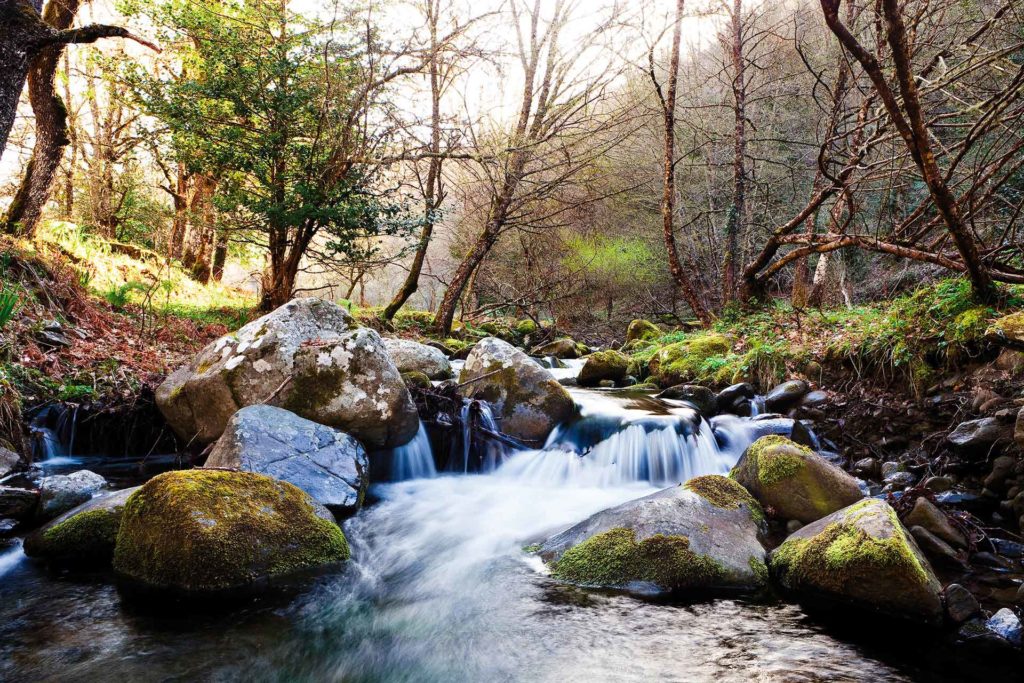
(414, 460)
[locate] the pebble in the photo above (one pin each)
(961, 605)
(1006, 624)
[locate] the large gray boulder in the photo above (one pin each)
(326, 463)
(701, 535)
(527, 399)
(410, 356)
(59, 493)
(84, 535)
(356, 384)
(863, 557)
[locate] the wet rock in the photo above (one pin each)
(559, 348)
(701, 397)
(1006, 625)
(17, 503)
(1008, 548)
(937, 550)
(793, 481)
(207, 532)
(863, 557)
(978, 438)
(9, 461)
(938, 484)
(956, 498)
(786, 395)
(987, 559)
(61, 492)
(85, 535)
(603, 365)
(868, 468)
(326, 463)
(308, 356)
(702, 535)
(526, 398)
(606, 384)
(410, 356)
(961, 605)
(926, 515)
(728, 398)
(814, 399)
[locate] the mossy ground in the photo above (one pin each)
(616, 558)
(200, 531)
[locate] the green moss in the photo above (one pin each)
(689, 359)
(774, 458)
(642, 330)
(725, 493)
(601, 365)
(525, 327)
(208, 530)
(83, 538)
(615, 558)
(760, 570)
(531, 548)
(415, 378)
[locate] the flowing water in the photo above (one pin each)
(440, 588)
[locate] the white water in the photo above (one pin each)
(414, 460)
(11, 558)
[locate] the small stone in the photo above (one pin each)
(961, 605)
(987, 559)
(1002, 469)
(814, 399)
(606, 384)
(1006, 624)
(866, 467)
(785, 395)
(934, 547)
(938, 484)
(1008, 548)
(926, 515)
(9, 461)
(900, 480)
(731, 396)
(890, 468)
(979, 437)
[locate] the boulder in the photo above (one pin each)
(1008, 331)
(208, 532)
(860, 556)
(794, 481)
(559, 348)
(731, 397)
(925, 514)
(702, 398)
(416, 380)
(84, 535)
(308, 356)
(328, 464)
(410, 356)
(59, 493)
(17, 503)
(9, 461)
(701, 535)
(786, 395)
(979, 438)
(642, 330)
(526, 398)
(603, 365)
(686, 361)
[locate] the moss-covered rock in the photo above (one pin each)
(642, 330)
(610, 365)
(527, 399)
(526, 327)
(416, 380)
(85, 535)
(1008, 331)
(559, 348)
(794, 482)
(199, 532)
(700, 536)
(860, 556)
(688, 360)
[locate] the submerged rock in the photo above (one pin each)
(84, 535)
(202, 532)
(61, 492)
(526, 398)
(861, 556)
(326, 463)
(603, 365)
(702, 535)
(410, 356)
(794, 481)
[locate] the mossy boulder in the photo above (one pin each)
(527, 399)
(559, 348)
(526, 327)
(1008, 331)
(85, 535)
(410, 356)
(416, 380)
(208, 532)
(860, 556)
(701, 536)
(602, 365)
(688, 360)
(794, 482)
(702, 398)
(641, 330)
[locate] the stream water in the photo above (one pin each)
(440, 589)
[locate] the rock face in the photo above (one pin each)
(410, 356)
(702, 535)
(318, 361)
(62, 492)
(979, 437)
(794, 481)
(328, 464)
(84, 535)
(862, 556)
(603, 365)
(559, 348)
(202, 532)
(527, 399)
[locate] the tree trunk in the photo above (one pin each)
(446, 311)
(735, 222)
(51, 130)
(669, 190)
(196, 255)
(220, 256)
